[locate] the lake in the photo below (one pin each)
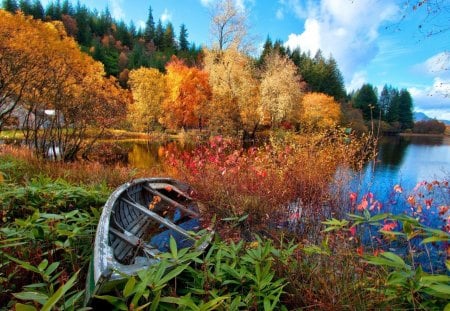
(406, 161)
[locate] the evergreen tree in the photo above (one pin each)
(82, 16)
(123, 34)
(159, 35)
(37, 10)
(405, 106)
(54, 10)
(335, 81)
(149, 32)
(169, 43)
(267, 50)
(366, 100)
(182, 39)
(393, 110)
(132, 30)
(67, 8)
(384, 101)
(26, 7)
(278, 46)
(10, 5)
(103, 24)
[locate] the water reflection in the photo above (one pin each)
(149, 154)
(392, 150)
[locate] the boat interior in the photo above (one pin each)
(144, 218)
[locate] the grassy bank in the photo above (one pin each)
(259, 261)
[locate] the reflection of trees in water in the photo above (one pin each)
(151, 154)
(392, 150)
(426, 140)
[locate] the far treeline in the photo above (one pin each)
(173, 83)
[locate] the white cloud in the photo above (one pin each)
(433, 100)
(438, 64)
(309, 40)
(358, 79)
(141, 24)
(117, 11)
(166, 16)
(345, 29)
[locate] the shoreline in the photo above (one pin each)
(422, 135)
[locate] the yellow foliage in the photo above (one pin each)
(280, 89)
(319, 111)
(235, 90)
(148, 89)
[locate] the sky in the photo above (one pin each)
(373, 41)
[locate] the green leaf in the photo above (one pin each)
(441, 288)
(22, 307)
(172, 274)
(434, 239)
(23, 264)
(34, 296)
(379, 217)
(43, 265)
(60, 293)
(52, 268)
(213, 304)
(129, 287)
(173, 247)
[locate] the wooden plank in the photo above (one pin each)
(159, 219)
(160, 185)
(172, 202)
(136, 242)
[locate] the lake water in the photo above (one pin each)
(406, 161)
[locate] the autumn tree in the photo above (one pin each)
(148, 89)
(280, 89)
(235, 95)
(62, 91)
(187, 95)
(319, 111)
(228, 25)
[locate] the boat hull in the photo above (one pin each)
(136, 224)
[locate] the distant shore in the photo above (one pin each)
(423, 135)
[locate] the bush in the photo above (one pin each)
(429, 127)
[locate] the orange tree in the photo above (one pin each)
(187, 94)
(61, 91)
(319, 111)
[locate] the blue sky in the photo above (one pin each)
(373, 41)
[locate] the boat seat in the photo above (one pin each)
(135, 228)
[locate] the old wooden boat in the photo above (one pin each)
(135, 226)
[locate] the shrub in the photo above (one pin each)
(429, 127)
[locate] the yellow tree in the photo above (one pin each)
(60, 88)
(235, 93)
(187, 95)
(148, 89)
(23, 63)
(319, 111)
(280, 89)
(229, 26)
